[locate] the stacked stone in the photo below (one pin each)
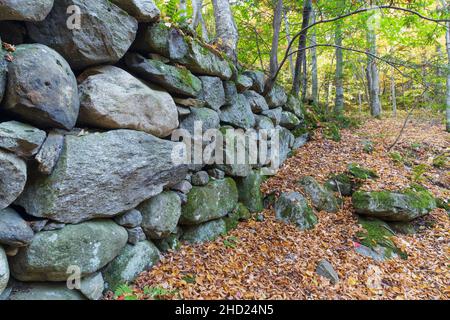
(88, 187)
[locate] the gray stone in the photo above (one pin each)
(102, 175)
(41, 89)
(394, 206)
(129, 219)
(4, 270)
(135, 235)
(89, 245)
(130, 263)
(238, 114)
(213, 92)
(111, 98)
(321, 198)
(160, 214)
(3, 72)
(200, 178)
(293, 208)
(13, 176)
(183, 112)
(300, 141)
(173, 79)
(204, 232)
(377, 253)
(171, 43)
(263, 123)
(22, 139)
(243, 83)
(92, 286)
(25, 10)
(213, 201)
(286, 142)
(341, 183)
(52, 226)
(231, 94)
(216, 174)
(183, 197)
(258, 80)
(45, 291)
(183, 187)
(142, 10)
(294, 105)
(289, 120)
(190, 102)
(256, 101)
(277, 97)
(105, 34)
(49, 154)
(172, 242)
(274, 115)
(205, 117)
(37, 225)
(14, 231)
(325, 269)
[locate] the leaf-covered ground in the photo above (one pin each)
(273, 260)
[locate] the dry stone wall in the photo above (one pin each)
(90, 193)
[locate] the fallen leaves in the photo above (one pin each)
(273, 260)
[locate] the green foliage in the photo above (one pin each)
(331, 131)
(158, 292)
(368, 146)
(126, 292)
(440, 161)
(231, 242)
(418, 172)
(360, 172)
(396, 157)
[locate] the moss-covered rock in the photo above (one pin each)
(360, 172)
(213, 201)
(404, 205)
(293, 208)
(204, 232)
(342, 183)
(250, 191)
(321, 197)
(240, 213)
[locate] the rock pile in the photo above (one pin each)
(89, 188)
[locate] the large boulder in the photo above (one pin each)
(133, 260)
(104, 34)
(274, 115)
(142, 10)
(213, 92)
(44, 291)
(404, 205)
(111, 98)
(277, 97)
(13, 176)
(321, 197)
(256, 101)
(171, 43)
(238, 113)
(213, 201)
(294, 105)
(204, 232)
(102, 175)
(4, 270)
(89, 246)
(250, 191)
(25, 10)
(42, 88)
(289, 120)
(14, 231)
(173, 79)
(293, 208)
(160, 215)
(20, 138)
(205, 118)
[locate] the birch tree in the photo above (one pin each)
(373, 80)
(314, 76)
(339, 78)
(226, 30)
(277, 17)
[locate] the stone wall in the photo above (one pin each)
(88, 185)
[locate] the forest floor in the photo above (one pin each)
(273, 260)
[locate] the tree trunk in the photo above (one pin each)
(277, 16)
(226, 30)
(307, 7)
(393, 94)
(287, 29)
(198, 19)
(373, 80)
(304, 78)
(447, 38)
(183, 8)
(314, 77)
(339, 79)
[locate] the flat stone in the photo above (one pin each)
(49, 154)
(92, 286)
(22, 139)
(129, 219)
(13, 176)
(141, 10)
(14, 231)
(25, 10)
(325, 269)
(213, 92)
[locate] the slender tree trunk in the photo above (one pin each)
(339, 78)
(287, 29)
(277, 16)
(447, 38)
(304, 78)
(314, 77)
(198, 19)
(183, 8)
(373, 80)
(226, 30)
(360, 101)
(307, 7)
(393, 94)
